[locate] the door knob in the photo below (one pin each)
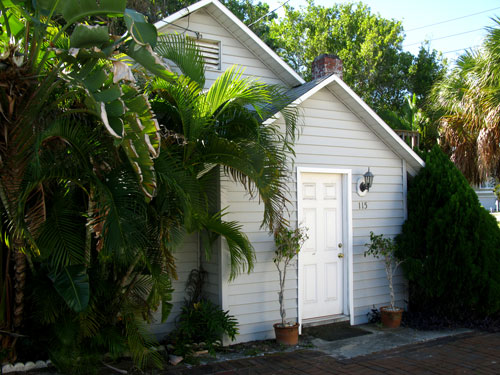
(340, 245)
(341, 255)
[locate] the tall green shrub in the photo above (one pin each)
(451, 245)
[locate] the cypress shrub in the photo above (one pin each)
(450, 244)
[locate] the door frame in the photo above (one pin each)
(347, 235)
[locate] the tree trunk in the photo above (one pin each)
(20, 264)
(389, 271)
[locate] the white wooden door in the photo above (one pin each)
(321, 257)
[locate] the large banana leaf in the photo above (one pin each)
(75, 10)
(142, 31)
(86, 36)
(89, 53)
(145, 56)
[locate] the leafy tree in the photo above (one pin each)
(450, 244)
(156, 10)
(255, 15)
(427, 68)
(370, 46)
(468, 99)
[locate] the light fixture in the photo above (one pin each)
(365, 183)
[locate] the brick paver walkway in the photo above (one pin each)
(473, 353)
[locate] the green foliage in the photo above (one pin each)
(255, 15)
(83, 140)
(89, 61)
(247, 11)
(411, 117)
(380, 246)
(450, 244)
(72, 284)
(203, 322)
(427, 68)
(370, 46)
(288, 243)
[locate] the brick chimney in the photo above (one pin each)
(326, 64)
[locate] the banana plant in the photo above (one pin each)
(66, 47)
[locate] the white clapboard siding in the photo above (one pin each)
(331, 137)
(253, 298)
(232, 52)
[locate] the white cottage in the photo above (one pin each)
(341, 138)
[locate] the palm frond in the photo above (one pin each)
(241, 252)
(180, 102)
(260, 168)
(122, 211)
(62, 235)
(184, 52)
(140, 341)
(231, 87)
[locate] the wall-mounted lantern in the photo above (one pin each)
(365, 183)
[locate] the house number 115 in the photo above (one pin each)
(362, 205)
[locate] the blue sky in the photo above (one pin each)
(415, 14)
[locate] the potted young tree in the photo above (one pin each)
(288, 243)
(386, 247)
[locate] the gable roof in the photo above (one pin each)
(243, 34)
(346, 95)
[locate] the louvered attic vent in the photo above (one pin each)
(210, 49)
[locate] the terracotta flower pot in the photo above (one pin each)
(391, 318)
(288, 335)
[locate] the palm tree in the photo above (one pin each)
(468, 98)
(221, 130)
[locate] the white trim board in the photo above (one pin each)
(405, 189)
(348, 308)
